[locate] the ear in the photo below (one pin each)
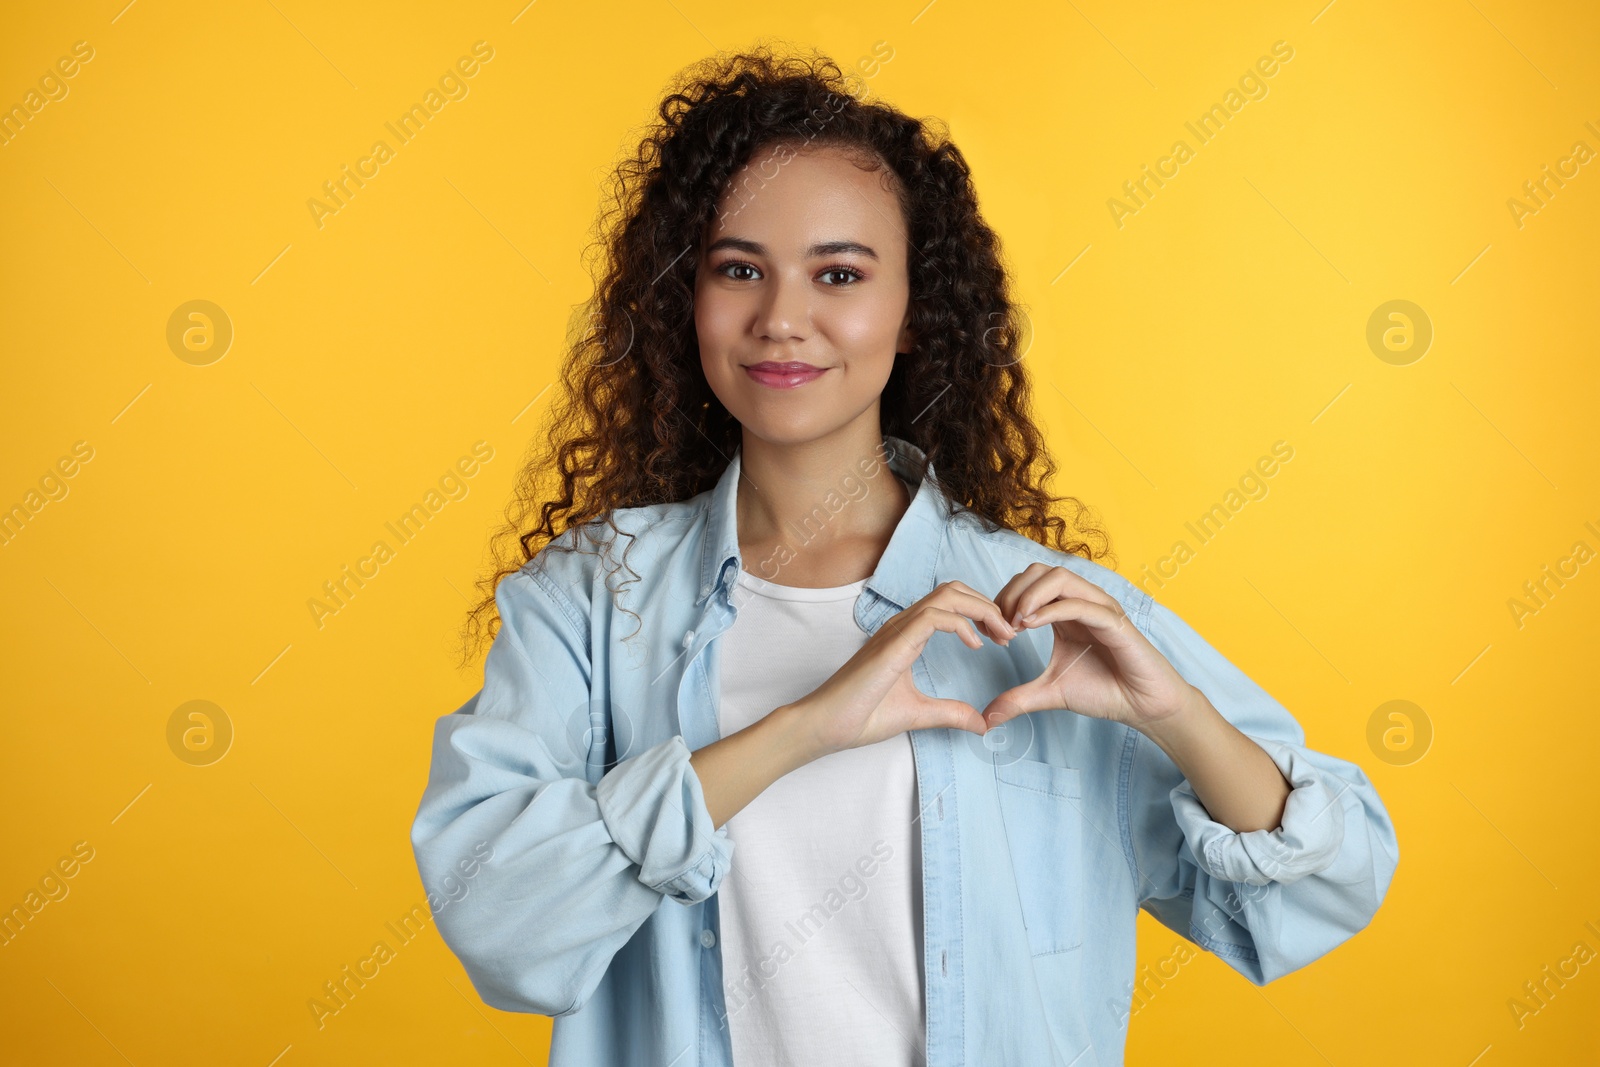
(905, 341)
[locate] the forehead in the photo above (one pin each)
(788, 198)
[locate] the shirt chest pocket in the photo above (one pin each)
(1039, 803)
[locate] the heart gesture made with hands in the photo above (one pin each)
(1100, 664)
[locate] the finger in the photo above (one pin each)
(915, 627)
(952, 714)
(1111, 628)
(958, 596)
(1007, 597)
(1019, 700)
(937, 618)
(1058, 583)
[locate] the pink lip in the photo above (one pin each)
(784, 375)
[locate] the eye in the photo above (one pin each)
(850, 272)
(736, 263)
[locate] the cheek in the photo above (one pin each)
(867, 328)
(716, 320)
(711, 324)
(701, 312)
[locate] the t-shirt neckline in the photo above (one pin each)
(774, 591)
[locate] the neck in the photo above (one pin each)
(815, 492)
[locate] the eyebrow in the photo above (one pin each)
(822, 248)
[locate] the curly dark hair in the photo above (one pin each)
(635, 422)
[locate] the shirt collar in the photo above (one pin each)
(905, 571)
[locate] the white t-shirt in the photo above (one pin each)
(821, 909)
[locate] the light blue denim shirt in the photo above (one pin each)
(1040, 842)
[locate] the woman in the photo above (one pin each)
(775, 798)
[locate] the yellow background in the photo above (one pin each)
(370, 354)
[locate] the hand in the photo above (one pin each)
(872, 697)
(1100, 664)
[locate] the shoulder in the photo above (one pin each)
(1011, 552)
(575, 562)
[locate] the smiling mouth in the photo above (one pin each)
(784, 375)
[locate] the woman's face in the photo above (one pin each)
(804, 263)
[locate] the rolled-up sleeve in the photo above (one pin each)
(1265, 901)
(577, 864)
(643, 802)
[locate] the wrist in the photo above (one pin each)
(794, 737)
(1177, 733)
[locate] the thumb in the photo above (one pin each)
(1019, 700)
(957, 715)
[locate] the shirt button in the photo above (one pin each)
(688, 639)
(707, 938)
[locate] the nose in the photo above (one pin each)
(785, 309)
